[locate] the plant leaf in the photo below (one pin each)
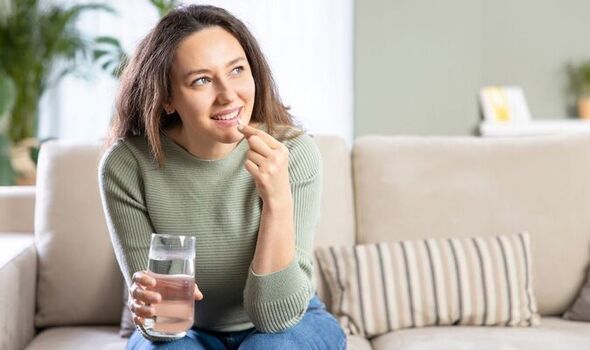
(32, 40)
(7, 173)
(7, 96)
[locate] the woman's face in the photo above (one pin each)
(212, 87)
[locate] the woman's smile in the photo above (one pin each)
(227, 118)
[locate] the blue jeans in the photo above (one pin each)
(317, 330)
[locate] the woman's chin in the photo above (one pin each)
(232, 137)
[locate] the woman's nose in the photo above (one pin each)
(225, 93)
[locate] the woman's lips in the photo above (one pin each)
(229, 122)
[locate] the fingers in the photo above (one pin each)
(255, 157)
(259, 146)
(251, 167)
(138, 320)
(249, 131)
(198, 294)
(142, 311)
(140, 298)
(139, 292)
(143, 279)
(144, 296)
(261, 159)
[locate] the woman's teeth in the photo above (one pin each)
(227, 116)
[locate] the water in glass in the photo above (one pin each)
(171, 263)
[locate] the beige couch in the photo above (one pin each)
(62, 289)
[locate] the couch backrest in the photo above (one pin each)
(79, 280)
(337, 221)
(418, 187)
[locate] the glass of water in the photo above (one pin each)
(172, 264)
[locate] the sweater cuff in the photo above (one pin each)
(278, 300)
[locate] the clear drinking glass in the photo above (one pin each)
(171, 263)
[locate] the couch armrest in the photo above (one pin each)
(18, 278)
(17, 208)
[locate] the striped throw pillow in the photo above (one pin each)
(378, 288)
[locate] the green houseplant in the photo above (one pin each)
(7, 98)
(109, 53)
(579, 86)
(37, 44)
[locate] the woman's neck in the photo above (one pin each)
(199, 149)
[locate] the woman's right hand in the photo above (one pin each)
(142, 299)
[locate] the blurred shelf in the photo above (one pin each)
(534, 128)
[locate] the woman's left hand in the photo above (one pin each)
(268, 163)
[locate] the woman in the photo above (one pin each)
(202, 145)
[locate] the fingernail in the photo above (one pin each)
(240, 125)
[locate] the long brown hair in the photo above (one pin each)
(146, 84)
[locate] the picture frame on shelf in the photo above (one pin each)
(504, 104)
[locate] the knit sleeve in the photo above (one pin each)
(130, 228)
(121, 189)
(278, 301)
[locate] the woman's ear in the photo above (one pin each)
(168, 108)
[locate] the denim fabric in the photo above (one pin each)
(317, 330)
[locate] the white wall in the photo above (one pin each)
(308, 43)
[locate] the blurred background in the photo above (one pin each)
(348, 68)
(420, 64)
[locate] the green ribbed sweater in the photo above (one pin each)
(217, 202)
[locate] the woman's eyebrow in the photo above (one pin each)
(205, 70)
(235, 60)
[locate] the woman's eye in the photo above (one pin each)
(237, 70)
(200, 81)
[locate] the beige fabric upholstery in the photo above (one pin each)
(554, 333)
(580, 309)
(106, 338)
(17, 208)
(17, 290)
(337, 211)
(358, 343)
(79, 280)
(78, 338)
(412, 187)
(378, 288)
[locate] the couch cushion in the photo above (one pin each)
(18, 264)
(378, 288)
(79, 281)
(355, 342)
(554, 333)
(78, 338)
(106, 338)
(428, 187)
(337, 211)
(580, 310)
(17, 208)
